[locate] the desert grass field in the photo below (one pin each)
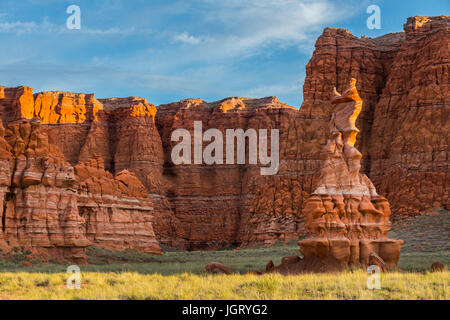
(133, 285)
(179, 275)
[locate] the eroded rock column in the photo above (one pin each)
(346, 220)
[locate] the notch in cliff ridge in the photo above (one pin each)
(241, 103)
(118, 102)
(388, 39)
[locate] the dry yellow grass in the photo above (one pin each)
(346, 285)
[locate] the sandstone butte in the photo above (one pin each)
(81, 171)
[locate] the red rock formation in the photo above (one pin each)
(63, 107)
(438, 267)
(6, 162)
(39, 211)
(120, 130)
(403, 79)
(13, 101)
(205, 199)
(218, 267)
(409, 146)
(338, 57)
(70, 120)
(275, 212)
(346, 219)
(116, 211)
(55, 213)
(214, 203)
(135, 145)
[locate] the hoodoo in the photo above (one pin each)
(346, 220)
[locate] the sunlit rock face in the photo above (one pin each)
(340, 173)
(345, 219)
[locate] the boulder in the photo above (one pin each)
(218, 267)
(438, 266)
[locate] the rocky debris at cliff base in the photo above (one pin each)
(254, 272)
(218, 267)
(438, 266)
(375, 260)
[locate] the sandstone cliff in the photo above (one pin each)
(39, 211)
(410, 136)
(404, 81)
(215, 203)
(116, 211)
(48, 207)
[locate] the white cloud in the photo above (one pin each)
(18, 27)
(228, 28)
(254, 24)
(186, 38)
(194, 48)
(45, 27)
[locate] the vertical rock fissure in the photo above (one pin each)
(112, 130)
(4, 213)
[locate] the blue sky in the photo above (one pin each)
(170, 50)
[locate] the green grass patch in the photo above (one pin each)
(176, 262)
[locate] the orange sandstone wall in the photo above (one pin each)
(51, 208)
(410, 137)
(216, 204)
